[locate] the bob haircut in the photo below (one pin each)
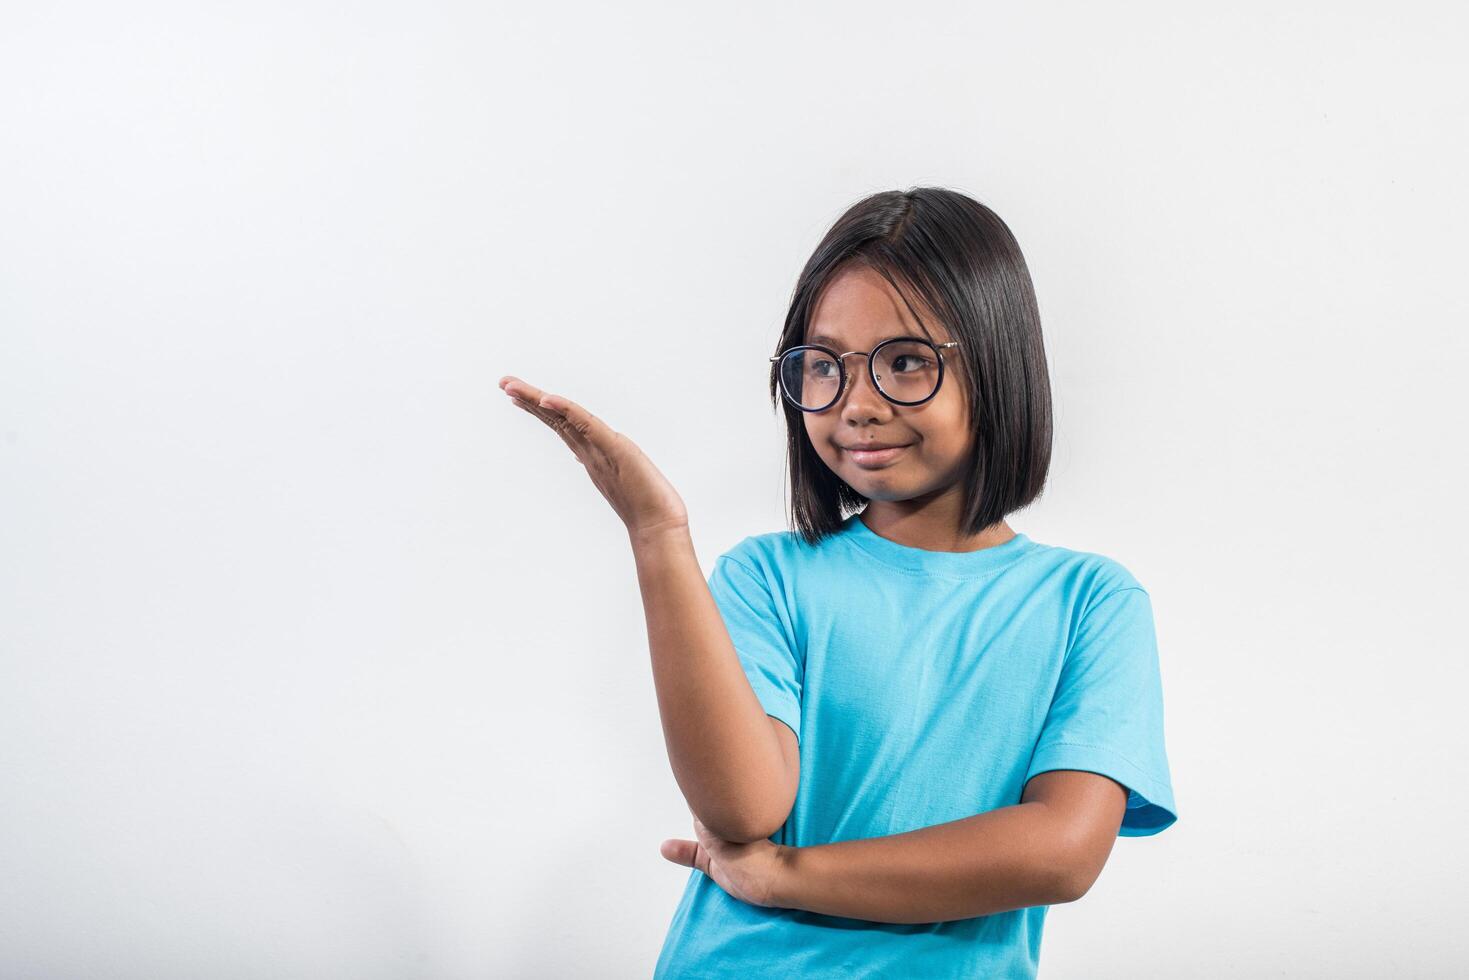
(965, 266)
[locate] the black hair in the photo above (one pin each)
(964, 264)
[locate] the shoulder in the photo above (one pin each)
(1088, 575)
(1105, 607)
(778, 557)
(774, 547)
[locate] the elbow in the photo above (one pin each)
(753, 830)
(763, 819)
(1070, 886)
(741, 829)
(737, 834)
(1073, 875)
(746, 827)
(748, 837)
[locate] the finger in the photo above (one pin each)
(580, 428)
(512, 385)
(530, 396)
(687, 853)
(569, 434)
(517, 388)
(521, 392)
(533, 409)
(709, 842)
(679, 851)
(580, 421)
(574, 424)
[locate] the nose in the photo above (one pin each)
(860, 400)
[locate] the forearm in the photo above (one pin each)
(1009, 858)
(724, 754)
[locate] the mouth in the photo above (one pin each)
(875, 457)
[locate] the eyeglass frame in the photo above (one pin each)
(938, 350)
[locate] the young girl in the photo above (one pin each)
(902, 733)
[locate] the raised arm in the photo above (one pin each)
(733, 767)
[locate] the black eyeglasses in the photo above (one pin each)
(904, 370)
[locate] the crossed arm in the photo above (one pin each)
(1046, 850)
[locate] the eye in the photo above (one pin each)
(910, 362)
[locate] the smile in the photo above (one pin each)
(875, 457)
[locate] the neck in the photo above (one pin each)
(932, 528)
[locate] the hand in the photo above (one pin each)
(635, 488)
(749, 872)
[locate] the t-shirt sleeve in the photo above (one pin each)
(1107, 713)
(761, 637)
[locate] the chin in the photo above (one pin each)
(878, 489)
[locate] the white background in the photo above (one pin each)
(320, 659)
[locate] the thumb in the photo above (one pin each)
(682, 852)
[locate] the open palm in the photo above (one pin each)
(636, 489)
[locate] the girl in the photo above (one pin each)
(902, 733)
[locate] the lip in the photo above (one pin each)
(874, 456)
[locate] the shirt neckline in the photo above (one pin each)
(956, 563)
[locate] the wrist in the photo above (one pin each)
(783, 891)
(675, 533)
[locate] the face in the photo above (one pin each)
(858, 310)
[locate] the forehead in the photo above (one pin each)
(859, 308)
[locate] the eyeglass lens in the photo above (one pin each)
(907, 371)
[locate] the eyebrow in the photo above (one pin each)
(821, 338)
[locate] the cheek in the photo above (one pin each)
(947, 442)
(817, 435)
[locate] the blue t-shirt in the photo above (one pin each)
(924, 687)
